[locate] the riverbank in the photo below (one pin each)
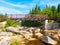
(31, 35)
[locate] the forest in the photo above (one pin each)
(48, 10)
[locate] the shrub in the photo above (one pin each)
(30, 23)
(9, 22)
(49, 21)
(12, 23)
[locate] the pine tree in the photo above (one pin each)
(37, 9)
(53, 10)
(58, 8)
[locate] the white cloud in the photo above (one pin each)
(25, 7)
(15, 5)
(9, 10)
(49, 2)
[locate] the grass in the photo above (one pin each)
(2, 28)
(17, 41)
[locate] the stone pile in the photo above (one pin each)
(24, 31)
(6, 33)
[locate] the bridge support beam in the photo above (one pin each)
(46, 24)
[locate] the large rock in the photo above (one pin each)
(4, 42)
(6, 33)
(49, 40)
(13, 29)
(3, 23)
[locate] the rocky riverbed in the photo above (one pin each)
(27, 36)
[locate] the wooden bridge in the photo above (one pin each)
(29, 17)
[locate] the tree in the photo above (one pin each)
(31, 11)
(53, 9)
(46, 11)
(58, 8)
(54, 12)
(58, 13)
(36, 10)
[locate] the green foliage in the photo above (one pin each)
(53, 9)
(31, 11)
(58, 18)
(47, 11)
(50, 11)
(31, 23)
(9, 22)
(16, 23)
(36, 10)
(49, 21)
(12, 23)
(54, 12)
(58, 8)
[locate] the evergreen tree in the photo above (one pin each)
(58, 8)
(32, 12)
(37, 9)
(47, 11)
(53, 10)
(58, 12)
(50, 11)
